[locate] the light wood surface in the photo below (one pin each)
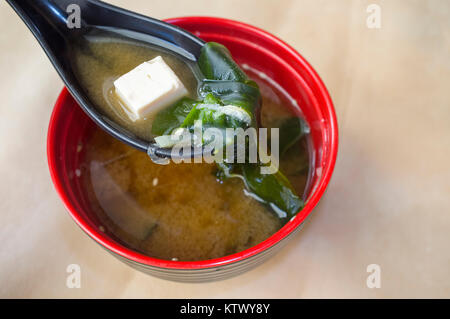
(388, 202)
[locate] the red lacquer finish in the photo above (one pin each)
(69, 127)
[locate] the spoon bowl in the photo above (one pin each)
(51, 23)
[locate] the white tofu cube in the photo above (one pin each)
(149, 87)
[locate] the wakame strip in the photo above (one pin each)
(225, 84)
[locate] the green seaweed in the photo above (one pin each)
(226, 84)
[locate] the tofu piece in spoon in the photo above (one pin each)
(149, 87)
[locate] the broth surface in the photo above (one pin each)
(180, 210)
(177, 211)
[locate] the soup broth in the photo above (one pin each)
(176, 211)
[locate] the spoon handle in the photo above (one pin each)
(50, 22)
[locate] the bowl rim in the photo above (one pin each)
(327, 170)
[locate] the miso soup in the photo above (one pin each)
(176, 211)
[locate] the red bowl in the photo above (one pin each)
(259, 50)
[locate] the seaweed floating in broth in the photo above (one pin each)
(225, 85)
(192, 211)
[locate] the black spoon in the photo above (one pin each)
(48, 21)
